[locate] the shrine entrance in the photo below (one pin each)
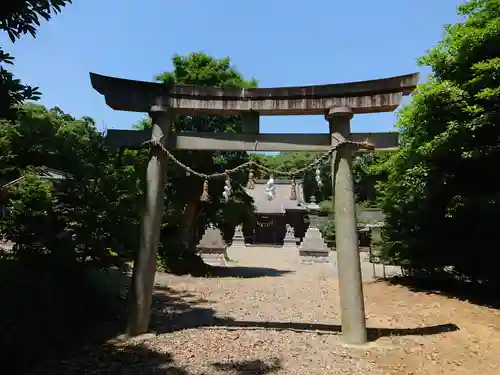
(337, 102)
(269, 230)
(270, 217)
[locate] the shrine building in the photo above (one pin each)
(287, 206)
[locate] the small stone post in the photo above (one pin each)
(238, 240)
(141, 290)
(346, 234)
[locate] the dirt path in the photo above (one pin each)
(284, 320)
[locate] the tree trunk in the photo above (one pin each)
(189, 262)
(191, 214)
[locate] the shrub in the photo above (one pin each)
(325, 207)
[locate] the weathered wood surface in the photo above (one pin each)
(379, 95)
(133, 139)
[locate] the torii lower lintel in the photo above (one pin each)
(134, 139)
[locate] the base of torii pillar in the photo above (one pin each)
(346, 235)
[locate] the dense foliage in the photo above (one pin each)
(368, 170)
(442, 196)
(18, 18)
(64, 231)
(92, 215)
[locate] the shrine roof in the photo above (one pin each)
(45, 173)
(282, 202)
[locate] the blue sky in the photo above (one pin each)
(278, 42)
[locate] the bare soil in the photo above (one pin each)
(275, 316)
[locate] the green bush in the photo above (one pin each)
(325, 207)
(327, 229)
(30, 216)
(441, 199)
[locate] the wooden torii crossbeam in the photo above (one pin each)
(337, 102)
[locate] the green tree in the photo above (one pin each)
(18, 18)
(186, 216)
(368, 170)
(96, 208)
(66, 233)
(442, 196)
(30, 215)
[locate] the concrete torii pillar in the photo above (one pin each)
(346, 235)
(141, 289)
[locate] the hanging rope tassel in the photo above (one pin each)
(271, 188)
(319, 182)
(251, 179)
(204, 196)
(227, 188)
(293, 191)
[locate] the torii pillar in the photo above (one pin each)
(346, 235)
(140, 295)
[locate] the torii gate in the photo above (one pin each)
(337, 102)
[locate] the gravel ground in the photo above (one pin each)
(369, 270)
(283, 319)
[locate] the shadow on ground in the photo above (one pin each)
(246, 272)
(105, 355)
(112, 359)
(256, 367)
(174, 311)
(48, 312)
(451, 288)
(373, 333)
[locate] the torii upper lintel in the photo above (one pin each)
(378, 95)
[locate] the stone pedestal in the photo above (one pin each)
(313, 248)
(212, 247)
(314, 220)
(289, 242)
(238, 238)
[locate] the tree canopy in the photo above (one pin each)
(18, 18)
(442, 195)
(83, 208)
